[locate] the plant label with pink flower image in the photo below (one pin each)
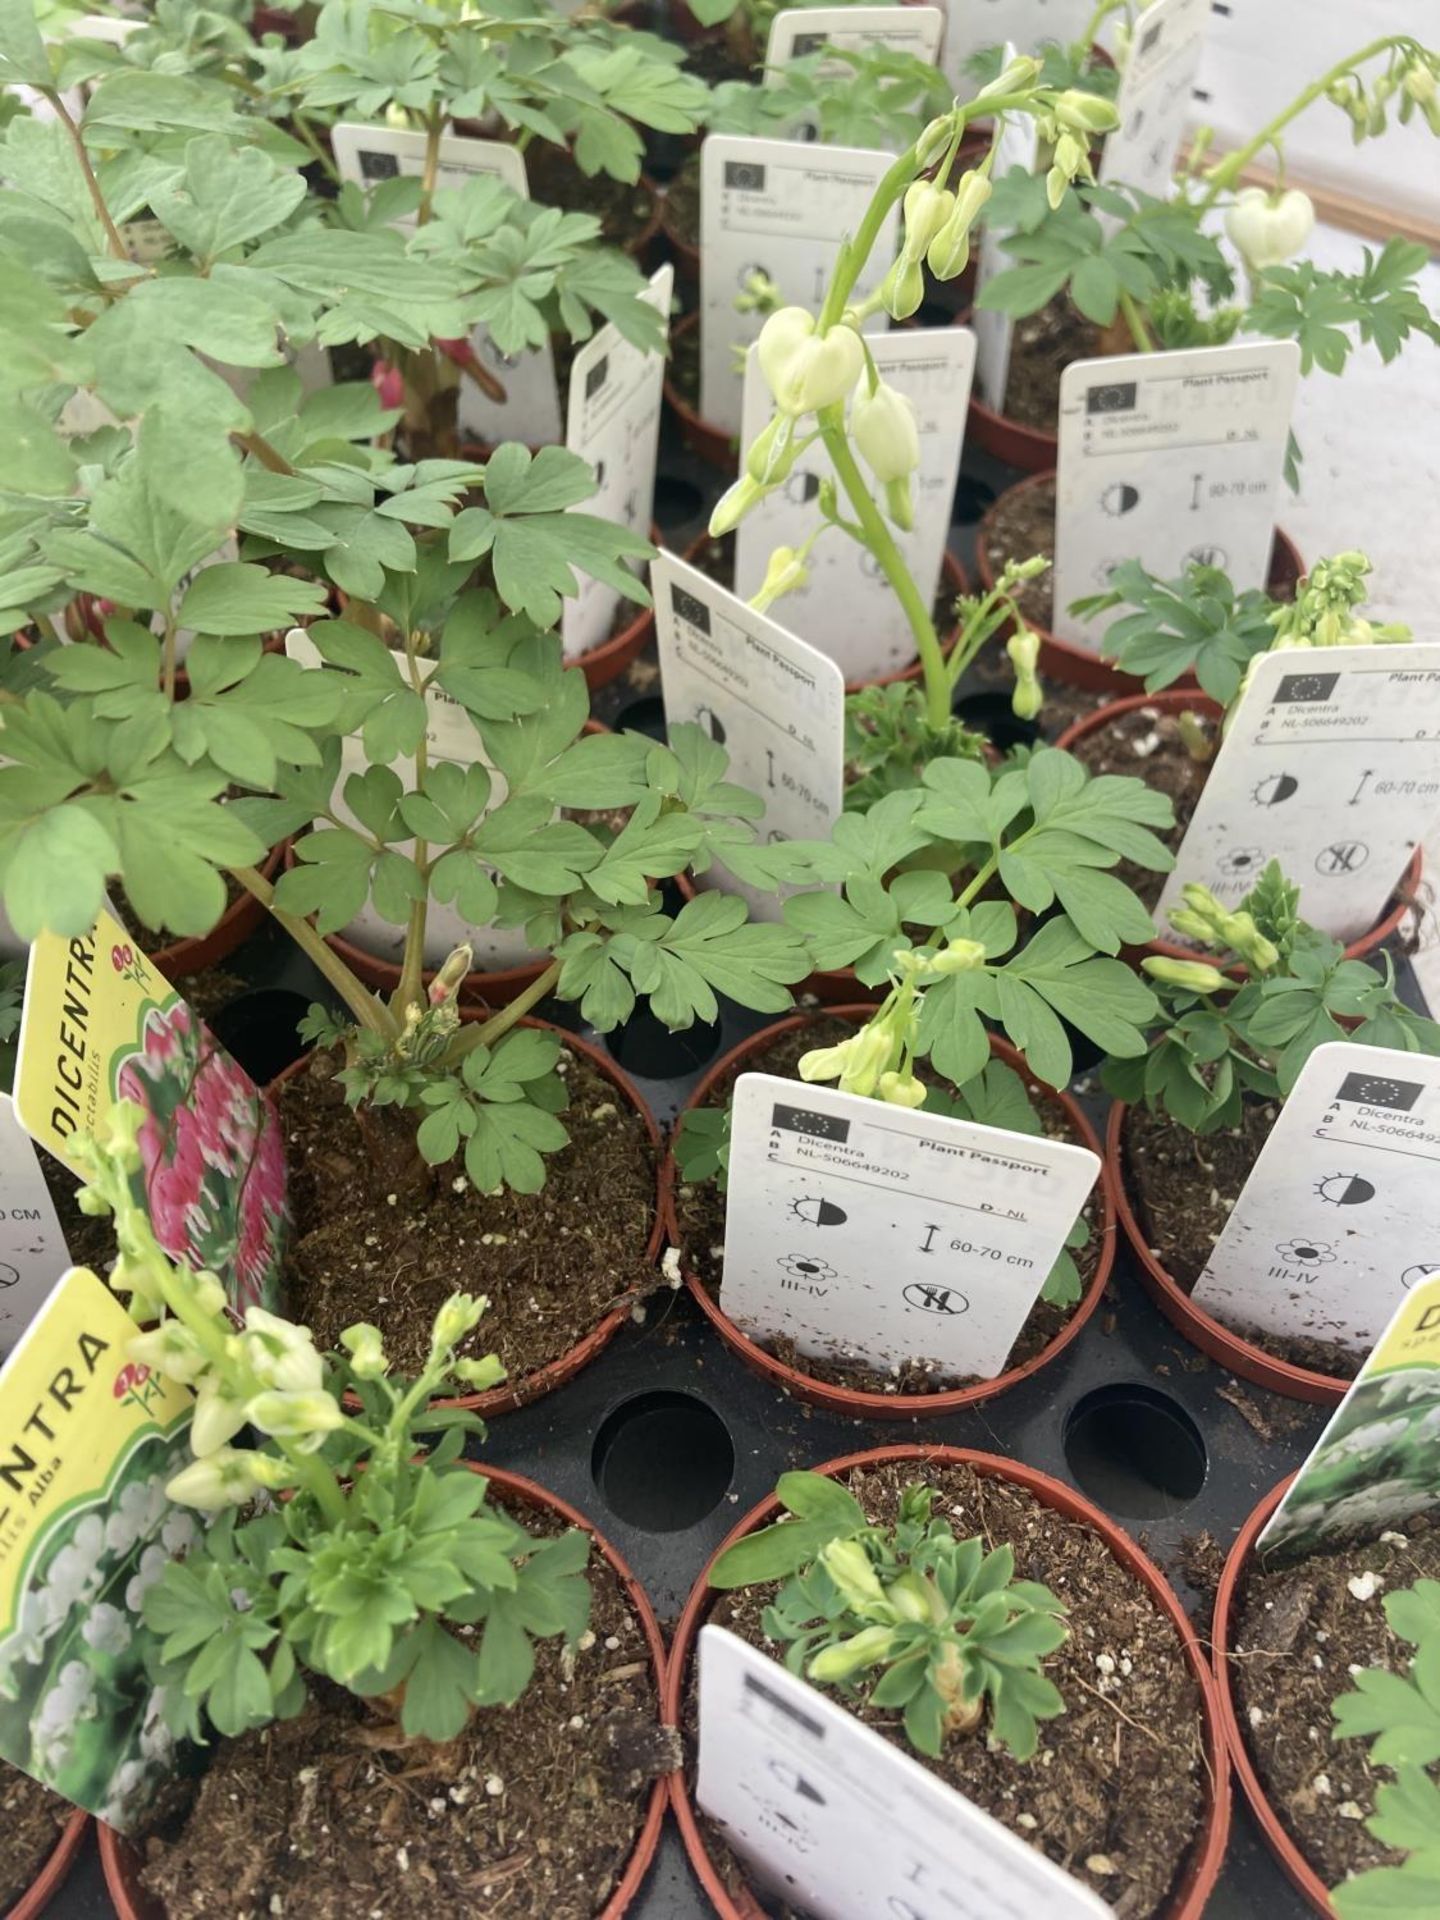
(368, 157)
(33, 1253)
(812, 1798)
(101, 1025)
(1377, 1464)
(886, 1237)
(90, 1440)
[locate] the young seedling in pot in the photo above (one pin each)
(908, 1616)
(823, 379)
(1154, 270)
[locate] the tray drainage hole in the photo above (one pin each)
(662, 1460)
(1134, 1450)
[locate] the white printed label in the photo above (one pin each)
(776, 705)
(1019, 146)
(1154, 98)
(1330, 765)
(1031, 24)
(1337, 1219)
(825, 1810)
(530, 410)
(33, 1254)
(1169, 458)
(614, 424)
(781, 208)
(877, 1234)
(797, 32)
(450, 735)
(848, 608)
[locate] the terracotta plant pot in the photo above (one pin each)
(182, 959)
(1179, 700)
(121, 1862)
(849, 1401)
(535, 1386)
(1074, 666)
(715, 445)
(1207, 1856)
(1297, 1869)
(42, 1889)
(1210, 1335)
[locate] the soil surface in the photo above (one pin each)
(90, 1240)
(1042, 346)
(533, 1811)
(1146, 743)
(553, 1263)
(1183, 1186)
(624, 211)
(1117, 1789)
(1296, 1635)
(31, 1818)
(700, 1211)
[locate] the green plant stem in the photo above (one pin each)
(269, 457)
(1226, 172)
(481, 1034)
(434, 124)
(411, 988)
(1135, 321)
(981, 876)
(880, 542)
(1097, 20)
(97, 199)
(309, 137)
(368, 1011)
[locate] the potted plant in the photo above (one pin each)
(1151, 276)
(394, 1604)
(1314, 1657)
(43, 1834)
(1200, 629)
(870, 1586)
(1192, 1113)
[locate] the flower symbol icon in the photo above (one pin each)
(1306, 1253)
(804, 1266)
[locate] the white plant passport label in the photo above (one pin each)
(33, 1254)
(1337, 1221)
(530, 410)
(848, 608)
(1330, 765)
(1377, 1464)
(1019, 146)
(797, 32)
(614, 425)
(1169, 458)
(780, 208)
(824, 1808)
(775, 705)
(1154, 98)
(878, 1234)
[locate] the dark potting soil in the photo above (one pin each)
(713, 60)
(1146, 743)
(1296, 1634)
(553, 1264)
(684, 371)
(700, 1210)
(532, 1812)
(90, 1241)
(1117, 1789)
(31, 1819)
(1042, 346)
(623, 210)
(682, 204)
(1022, 523)
(1183, 1186)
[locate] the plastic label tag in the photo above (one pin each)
(1169, 458)
(1330, 766)
(781, 208)
(614, 425)
(775, 704)
(849, 609)
(100, 1025)
(1337, 1219)
(797, 32)
(1019, 147)
(882, 1235)
(1154, 98)
(1377, 1464)
(33, 1253)
(1031, 24)
(827, 1811)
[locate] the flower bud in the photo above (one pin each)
(446, 984)
(805, 370)
(1023, 648)
(122, 1135)
(461, 1314)
(91, 1201)
(224, 1478)
(218, 1417)
(786, 572)
(950, 248)
(823, 1063)
(481, 1374)
(864, 1649)
(927, 208)
(280, 1354)
(272, 1472)
(959, 956)
(1243, 937)
(902, 1090)
(1195, 976)
(1267, 230)
(1070, 155)
(867, 1057)
(1419, 82)
(934, 140)
(171, 1349)
(1087, 111)
(731, 508)
(208, 1292)
(1023, 71)
(882, 425)
(367, 1354)
(848, 1565)
(900, 503)
(772, 452)
(306, 1417)
(902, 289)
(1056, 183)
